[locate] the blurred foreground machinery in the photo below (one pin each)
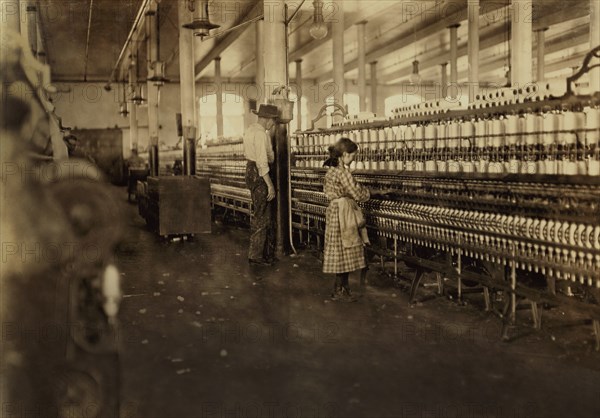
(60, 291)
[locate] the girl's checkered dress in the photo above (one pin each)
(337, 259)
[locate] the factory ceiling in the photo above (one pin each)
(84, 39)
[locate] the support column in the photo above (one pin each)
(133, 125)
(31, 16)
(362, 66)
(275, 70)
(374, 105)
(152, 48)
(299, 94)
(594, 74)
(521, 53)
(219, 99)
(260, 64)
(541, 54)
(454, 59)
(444, 80)
(473, 47)
(337, 36)
(187, 88)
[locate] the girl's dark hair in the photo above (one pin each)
(337, 150)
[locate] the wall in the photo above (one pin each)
(89, 106)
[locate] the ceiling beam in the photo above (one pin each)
(425, 27)
(570, 10)
(578, 36)
(349, 21)
(228, 39)
(497, 35)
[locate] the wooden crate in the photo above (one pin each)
(179, 205)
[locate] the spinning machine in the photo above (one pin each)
(500, 196)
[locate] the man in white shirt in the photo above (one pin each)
(258, 151)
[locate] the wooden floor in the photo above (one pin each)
(205, 335)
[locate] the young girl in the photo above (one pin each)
(344, 246)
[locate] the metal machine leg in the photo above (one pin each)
(536, 315)
(596, 325)
(415, 284)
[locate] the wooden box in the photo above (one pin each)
(179, 205)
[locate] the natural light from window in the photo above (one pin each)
(400, 100)
(233, 116)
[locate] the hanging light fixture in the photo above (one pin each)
(156, 70)
(318, 29)
(414, 77)
(138, 97)
(123, 110)
(200, 24)
(157, 73)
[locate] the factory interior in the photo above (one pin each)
(128, 285)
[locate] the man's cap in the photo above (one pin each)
(267, 111)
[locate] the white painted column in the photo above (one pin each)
(374, 105)
(594, 75)
(219, 99)
(362, 66)
(299, 94)
(187, 89)
(473, 48)
(275, 68)
(31, 16)
(133, 125)
(521, 41)
(152, 56)
(444, 79)
(338, 57)
(274, 46)
(541, 54)
(260, 63)
(454, 58)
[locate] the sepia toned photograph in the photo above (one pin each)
(300, 209)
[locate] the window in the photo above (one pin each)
(351, 101)
(400, 100)
(233, 116)
(304, 110)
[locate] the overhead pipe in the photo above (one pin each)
(133, 35)
(87, 39)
